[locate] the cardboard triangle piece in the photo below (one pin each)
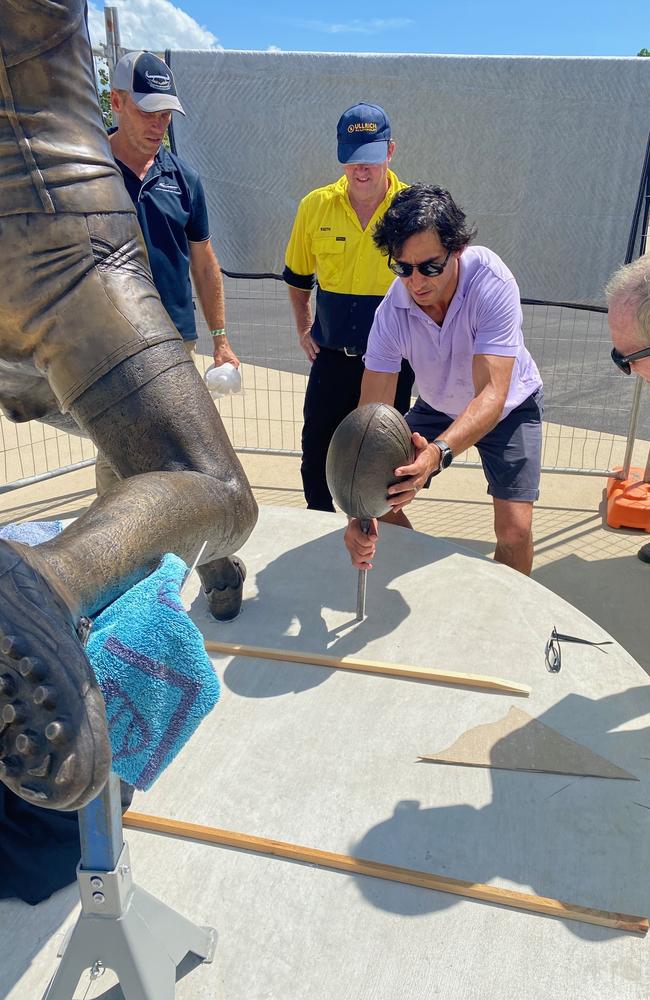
(520, 743)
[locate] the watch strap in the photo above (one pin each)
(446, 454)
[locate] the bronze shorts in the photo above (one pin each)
(77, 297)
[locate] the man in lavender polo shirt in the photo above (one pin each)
(454, 313)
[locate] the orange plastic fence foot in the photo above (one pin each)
(628, 501)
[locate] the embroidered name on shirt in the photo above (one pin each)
(166, 186)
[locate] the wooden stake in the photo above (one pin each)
(369, 667)
(376, 869)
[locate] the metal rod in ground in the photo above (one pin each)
(361, 582)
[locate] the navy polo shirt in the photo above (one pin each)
(171, 208)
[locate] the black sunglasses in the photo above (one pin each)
(427, 268)
(622, 361)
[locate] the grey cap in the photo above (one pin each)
(148, 80)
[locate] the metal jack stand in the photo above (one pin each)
(121, 926)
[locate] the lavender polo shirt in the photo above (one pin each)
(484, 317)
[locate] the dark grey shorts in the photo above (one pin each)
(511, 453)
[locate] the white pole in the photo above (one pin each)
(113, 41)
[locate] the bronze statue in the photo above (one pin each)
(85, 340)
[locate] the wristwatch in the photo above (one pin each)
(446, 455)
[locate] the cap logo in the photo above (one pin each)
(158, 80)
(362, 127)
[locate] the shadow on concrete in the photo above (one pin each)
(580, 840)
(35, 924)
(608, 591)
(303, 626)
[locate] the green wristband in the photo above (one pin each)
(218, 333)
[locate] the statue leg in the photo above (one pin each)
(77, 299)
(53, 740)
(80, 306)
(115, 363)
(153, 414)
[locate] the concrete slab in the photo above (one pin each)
(329, 759)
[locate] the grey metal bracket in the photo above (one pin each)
(121, 926)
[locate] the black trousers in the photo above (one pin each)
(39, 848)
(332, 392)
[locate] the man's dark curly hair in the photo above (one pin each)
(416, 209)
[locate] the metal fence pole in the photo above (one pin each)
(113, 41)
(631, 433)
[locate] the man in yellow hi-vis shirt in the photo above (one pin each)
(331, 244)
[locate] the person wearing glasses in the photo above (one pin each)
(454, 312)
(628, 297)
(331, 244)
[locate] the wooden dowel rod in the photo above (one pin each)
(369, 667)
(376, 869)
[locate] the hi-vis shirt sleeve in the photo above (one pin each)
(299, 261)
(383, 353)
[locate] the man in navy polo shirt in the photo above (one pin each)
(170, 202)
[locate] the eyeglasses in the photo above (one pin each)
(622, 361)
(427, 268)
(553, 652)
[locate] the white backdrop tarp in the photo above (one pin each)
(544, 154)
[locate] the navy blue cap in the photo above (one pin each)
(148, 80)
(363, 134)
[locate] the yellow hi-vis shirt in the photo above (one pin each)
(328, 246)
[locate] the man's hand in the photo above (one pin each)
(427, 460)
(361, 546)
(308, 344)
(222, 352)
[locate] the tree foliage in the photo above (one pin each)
(105, 96)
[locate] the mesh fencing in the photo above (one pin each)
(587, 402)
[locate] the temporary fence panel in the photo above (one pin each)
(544, 154)
(587, 401)
(518, 141)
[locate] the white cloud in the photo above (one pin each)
(367, 26)
(273, 48)
(151, 24)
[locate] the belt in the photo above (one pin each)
(350, 352)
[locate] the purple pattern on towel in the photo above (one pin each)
(188, 688)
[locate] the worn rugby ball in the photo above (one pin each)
(366, 448)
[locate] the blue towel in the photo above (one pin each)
(151, 665)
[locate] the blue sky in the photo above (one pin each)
(482, 27)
